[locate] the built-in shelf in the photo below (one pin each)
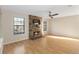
(35, 29)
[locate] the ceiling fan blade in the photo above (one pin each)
(51, 15)
(55, 14)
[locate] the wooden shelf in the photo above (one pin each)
(34, 27)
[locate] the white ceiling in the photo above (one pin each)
(42, 10)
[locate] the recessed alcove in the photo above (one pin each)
(35, 29)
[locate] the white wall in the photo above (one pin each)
(7, 27)
(65, 26)
(0, 22)
(1, 38)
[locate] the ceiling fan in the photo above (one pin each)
(52, 15)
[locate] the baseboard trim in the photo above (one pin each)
(13, 42)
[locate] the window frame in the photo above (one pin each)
(18, 26)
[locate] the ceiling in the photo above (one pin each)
(42, 10)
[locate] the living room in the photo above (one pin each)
(58, 29)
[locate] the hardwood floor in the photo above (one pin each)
(45, 45)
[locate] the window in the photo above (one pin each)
(19, 25)
(45, 26)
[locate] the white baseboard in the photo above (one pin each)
(13, 42)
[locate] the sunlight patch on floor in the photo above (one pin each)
(19, 50)
(66, 38)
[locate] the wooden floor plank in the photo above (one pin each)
(44, 45)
